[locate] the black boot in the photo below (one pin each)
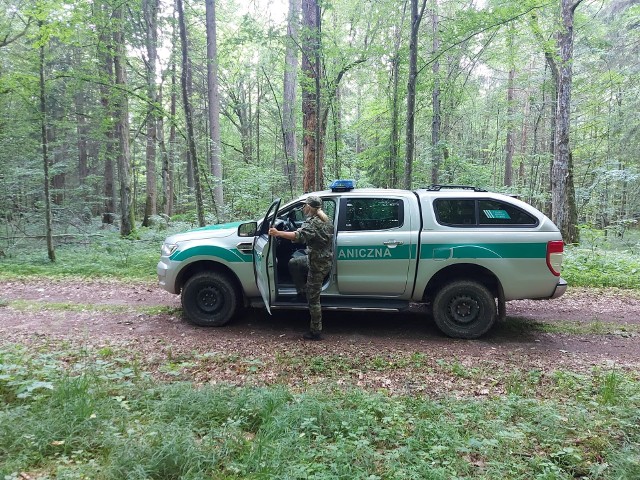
(312, 336)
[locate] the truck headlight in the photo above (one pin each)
(168, 248)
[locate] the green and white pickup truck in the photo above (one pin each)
(462, 251)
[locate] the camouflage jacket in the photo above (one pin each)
(318, 236)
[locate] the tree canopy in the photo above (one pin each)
(121, 94)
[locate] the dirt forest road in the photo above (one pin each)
(584, 329)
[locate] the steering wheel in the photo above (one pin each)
(284, 224)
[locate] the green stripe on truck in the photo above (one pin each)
(229, 255)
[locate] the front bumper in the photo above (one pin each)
(165, 277)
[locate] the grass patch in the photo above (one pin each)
(39, 306)
(598, 267)
(67, 415)
(109, 256)
(593, 327)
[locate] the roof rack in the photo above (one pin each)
(437, 188)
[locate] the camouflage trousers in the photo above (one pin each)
(309, 280)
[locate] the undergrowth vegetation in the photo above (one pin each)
(104, 255)
(68, 414)
(603, 259)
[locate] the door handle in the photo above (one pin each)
(393, 243)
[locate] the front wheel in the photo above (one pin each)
(209, 299)
(464, 309)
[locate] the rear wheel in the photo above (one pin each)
(209, 299)
(464, 309)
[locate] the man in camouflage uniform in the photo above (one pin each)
(309, 271)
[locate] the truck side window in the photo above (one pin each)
(297, 216)
(373, 214)
(329, 207)
(493, 212)
(463, 213)
(455, 211)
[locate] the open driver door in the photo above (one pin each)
(263, 258)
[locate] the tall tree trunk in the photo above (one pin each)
(150, 11)
(108, 215)
(509, 148)
(214, 107)
(416, 18)
(167, 169)
(289, 93)
(242, 109)
(257, 118)
(562, 187)
(82, 132)
(122, 126)
(173, 140)
(58, 180)
(185, 80)
(336, 107)
(394, 140)
(436, 121)
(45, 158)
(524, 137)
(106, 55)
(510, 140)
(550, 55)
(312, 131)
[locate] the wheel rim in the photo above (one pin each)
(209, 299)
(463, 309)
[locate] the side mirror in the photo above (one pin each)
(247, 229)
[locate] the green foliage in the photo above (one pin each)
(357, 45)
(106, 255)
(251, 190)
(604, 259)
(99, 416)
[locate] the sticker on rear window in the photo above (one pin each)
(496, 214)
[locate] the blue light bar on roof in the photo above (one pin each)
(342, 185)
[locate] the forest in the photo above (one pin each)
(125, 114)
(122, 122)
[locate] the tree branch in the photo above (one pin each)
(482, 30)
(7, 41)
(575, 5)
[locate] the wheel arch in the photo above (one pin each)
(207, 266)
(462, 271)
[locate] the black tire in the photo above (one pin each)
(209, 299)
(464, 309)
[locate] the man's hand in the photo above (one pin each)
(274, 232)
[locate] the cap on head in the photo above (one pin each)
(314, 201)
